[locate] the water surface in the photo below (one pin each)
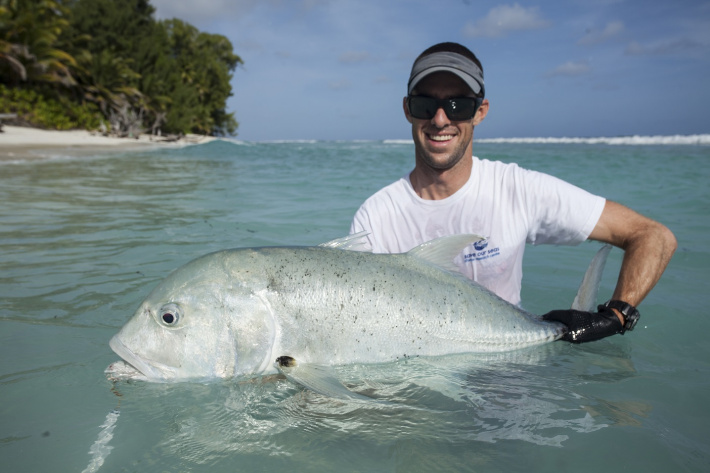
(84, 239)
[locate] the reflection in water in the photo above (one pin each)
(531, 396)
(101, 448)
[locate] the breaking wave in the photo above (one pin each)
(617, 140)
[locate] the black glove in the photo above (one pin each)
(586, 326)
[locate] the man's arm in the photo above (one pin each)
(648, 247)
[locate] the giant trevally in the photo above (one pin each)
(298, 310)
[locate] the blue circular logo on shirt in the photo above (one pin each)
(480, 245)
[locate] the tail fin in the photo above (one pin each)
(587, 293)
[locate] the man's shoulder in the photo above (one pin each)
(489, 165)
(508, 175)
(394, 190)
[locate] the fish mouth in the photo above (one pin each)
(122, 371)
(134, 367)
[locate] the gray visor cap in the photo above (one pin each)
(455, 63)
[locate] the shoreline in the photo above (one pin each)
(18, 142)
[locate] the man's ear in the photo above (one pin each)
(406, 110)
(481, 112)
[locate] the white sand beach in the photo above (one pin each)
(22, 142)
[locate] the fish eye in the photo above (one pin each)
(170, 314)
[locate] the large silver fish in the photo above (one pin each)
(298, 310)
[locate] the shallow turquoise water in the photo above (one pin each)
(83, 240)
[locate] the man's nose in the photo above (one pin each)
(440, 119)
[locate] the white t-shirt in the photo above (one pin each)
(507, 205)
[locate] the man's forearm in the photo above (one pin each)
(645, 258)
(648, 247)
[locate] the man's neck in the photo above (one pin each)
(437, 184)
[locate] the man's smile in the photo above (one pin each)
(441, 137)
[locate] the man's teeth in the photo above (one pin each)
(441, 137)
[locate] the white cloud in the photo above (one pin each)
(506, 19)
(570, 69)
(675, 46)
(611, 30)
(206, 11)
(196, 12)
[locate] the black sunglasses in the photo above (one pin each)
(457, 108)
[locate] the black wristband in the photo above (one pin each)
(630, 313)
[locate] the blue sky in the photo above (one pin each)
(337, 69)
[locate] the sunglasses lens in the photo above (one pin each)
(422, 107)
(463, 108)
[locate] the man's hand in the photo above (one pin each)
(586, 326)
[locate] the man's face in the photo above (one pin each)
(440, 142)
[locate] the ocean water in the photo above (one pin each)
(84, 239)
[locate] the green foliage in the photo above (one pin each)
(204, 62)
(29, 32)
(114, 55)
(46, 111)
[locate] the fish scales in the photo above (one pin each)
(360, 307)
(234, 312)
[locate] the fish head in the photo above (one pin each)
(202, 322)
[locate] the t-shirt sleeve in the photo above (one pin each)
(559, 213)
(361, 223)
(381, 217)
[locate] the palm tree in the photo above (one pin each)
(29, 30)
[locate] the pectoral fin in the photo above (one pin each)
(318, 378)
(354, 242)
(442, 251)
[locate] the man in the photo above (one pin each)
(451, 192)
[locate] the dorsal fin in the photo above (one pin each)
(354, 242)
(442, 251)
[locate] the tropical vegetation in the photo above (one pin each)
(110, 64)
